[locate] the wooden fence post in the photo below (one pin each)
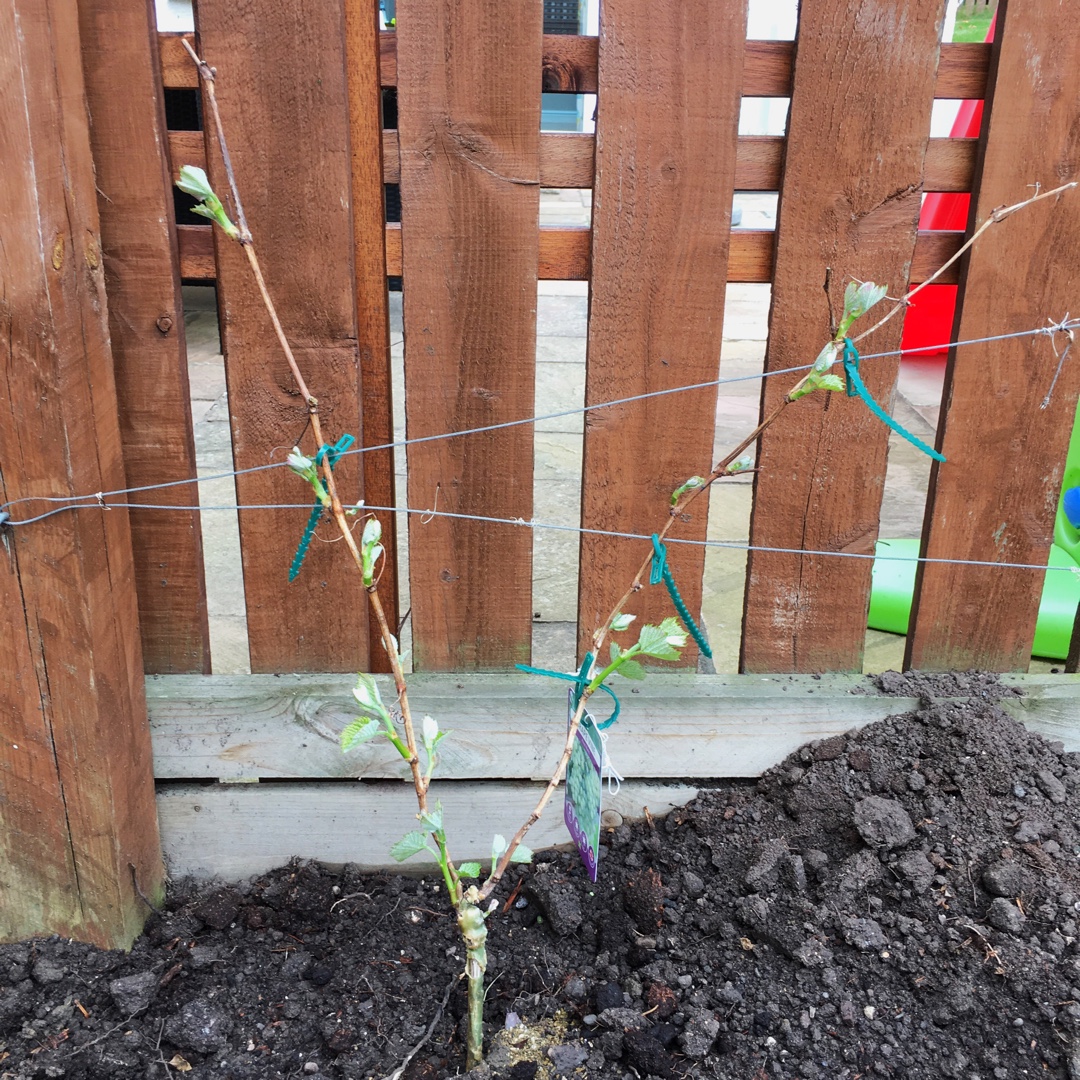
(995, 498)
(78, 825)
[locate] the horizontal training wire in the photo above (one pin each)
(580, 530)
(93, 499)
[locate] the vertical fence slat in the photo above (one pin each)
(146, 326)
(372, 314)
(996, 496)
(77, 804)
(282, 91)
(862, 90)
(470, 167)
(665, 172)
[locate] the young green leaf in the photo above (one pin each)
(370, 550)
(193, 182)
(360, 730)
(522, 854)
(432, 820)
(469, 869)
(741, 464)
(664, 641)
(859, 298)
(831, 382)
(827, 357)
(616, 652)
(631, 669)
(621, 622)
(366, 693)
(690, 485)
(429, 731)
(410, 844)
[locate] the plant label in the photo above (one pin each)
(584, 789)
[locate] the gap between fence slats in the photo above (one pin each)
(470, 176)
(146, 324)
(665, 173)
(293, 175)
(372, 313)
(996, 497)
(766, 66)
(822, 465)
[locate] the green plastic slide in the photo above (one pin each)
(893, 583)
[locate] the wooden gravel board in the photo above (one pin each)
(234, 831)
(284, 107)
(511, 726)
(470, 188)
(995, 498)
(146, 326)
(665, 173)
(862, 93)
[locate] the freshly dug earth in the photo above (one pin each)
(901, 901)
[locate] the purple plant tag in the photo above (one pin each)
(584, 789)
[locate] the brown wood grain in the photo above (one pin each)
(665, 174)
(372, 314)
(470, 177)
(75, 760)
(564, 254)
(766, 66)
(566, 160)
(146, 322)
(863, 85)
(285, 110)
(177, 69)
(995, 499)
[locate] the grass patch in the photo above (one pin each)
(972, 24)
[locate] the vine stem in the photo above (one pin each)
(420, 782)
(718, 472)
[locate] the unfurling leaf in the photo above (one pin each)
(631, 669)
(469, 870)
(193, 182)
(859, 298)
(664, 641)
(498, 846)
(367, 695)
(410, 844)
(616, 652)
(621, 622)
(432, 819)
(430, 731)
(690, 485)
(370, 550)
(360, 730)
(741, 464)
(522, 854)
(831, 382)
(827, 357)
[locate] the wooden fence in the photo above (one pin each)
(300, 92)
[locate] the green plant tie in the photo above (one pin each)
(660, 571)
(582, 680)
(331, 454)
(856, 387)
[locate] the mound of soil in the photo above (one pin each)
(901, 901)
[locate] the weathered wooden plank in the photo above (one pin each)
(233, 831)
(567, 58)
(996, 497)
(284, 105)
(147, 326)
(665, 174)
(564, 254)
(77, 809)
(511, 726)
(863, 85)
(177, 70)
(372, 314)
(470, 177)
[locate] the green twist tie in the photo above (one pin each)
(660, 571)
(856, 387)
(582, 680)
(331, 453)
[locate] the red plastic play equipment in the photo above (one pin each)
(929, 320)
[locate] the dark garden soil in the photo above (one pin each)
(902, 901)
